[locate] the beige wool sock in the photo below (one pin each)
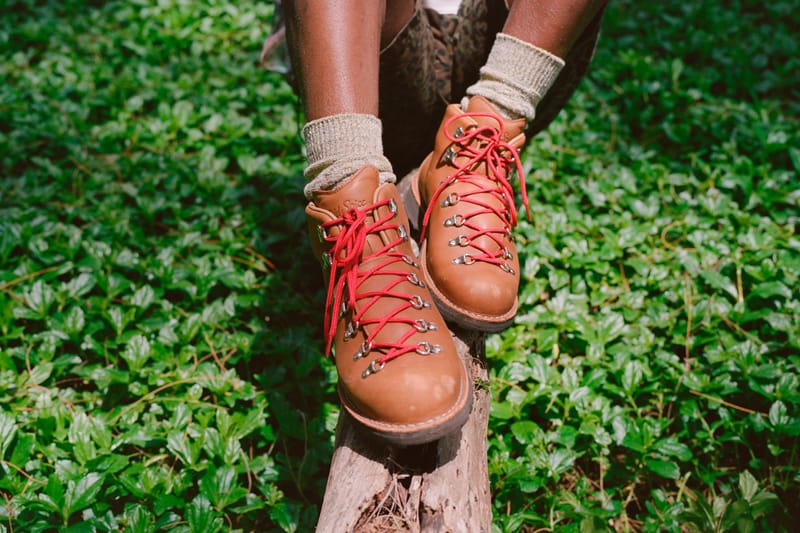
(338, 146)
(516, 76)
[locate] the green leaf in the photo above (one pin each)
(632, 376)
(747, 485)
(40, 373)
(22, 449)
(778, 414)
(667, 469)
(770, 289)
(75, 321)
(672, 447)
(525, 431)
(137, 352)
(8, 429)
(143, 297)
(83, 493)
(88, 526)
(221, 487)
(202, 518)
(40, 297)
(285, 516)
(763, 503)
(720, 282)
(80, 285)
(139, 520)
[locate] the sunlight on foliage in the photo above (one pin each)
(160, 333)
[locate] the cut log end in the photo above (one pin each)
(441, 486)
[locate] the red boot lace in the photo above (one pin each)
(346, 280)
(481, 144)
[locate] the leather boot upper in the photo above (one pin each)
(395, 357)
(469, 252)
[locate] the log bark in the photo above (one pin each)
(437, 487)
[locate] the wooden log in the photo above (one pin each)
(437, 487)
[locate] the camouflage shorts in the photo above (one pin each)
(436, 57)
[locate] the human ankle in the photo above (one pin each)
(339, 145)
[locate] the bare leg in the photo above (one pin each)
(379, 319)
(336, 45)
(552, 25)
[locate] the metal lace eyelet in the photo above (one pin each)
(325, 260)
(322, 234)
(426, 348)
(417, 302)
(507, 254)
(461, 240)
(423, 325)
(401, 229)
(458, 133)
(344, 308)
(375, 366)
(454, 221)
(350, 331)
(413, 278)
(449, 155)
(465, 259)
(451, 200)
(363, 350)
(407, 259)
(393, 206)
(507, 268)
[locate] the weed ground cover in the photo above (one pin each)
(160, 339)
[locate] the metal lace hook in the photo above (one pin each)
(374, 367)
(426, 348)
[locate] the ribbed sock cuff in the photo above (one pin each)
(338, 146)
(516, 76)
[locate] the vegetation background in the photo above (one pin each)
(160, 335)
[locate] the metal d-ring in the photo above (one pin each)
(350, 332)
(452, 199)
(363, 350)
(461, 240)
(401, 229)
(413, 278)
(374, 367)
(465, 259)
(423, 325)
(456, 221)
(426, 348)
(507, 268)
(417, 302)
(407, 259)
(449, 155)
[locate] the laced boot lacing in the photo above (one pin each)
(344, 286)
(481, 144)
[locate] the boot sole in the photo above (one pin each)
(421, 432)
(412, 201)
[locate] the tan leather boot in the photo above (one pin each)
(399, 373)
(468, 254)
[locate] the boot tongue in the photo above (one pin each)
(357, 193)
(511, 128)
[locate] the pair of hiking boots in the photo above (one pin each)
(399, 373)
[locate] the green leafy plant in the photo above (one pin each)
(160, 351)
